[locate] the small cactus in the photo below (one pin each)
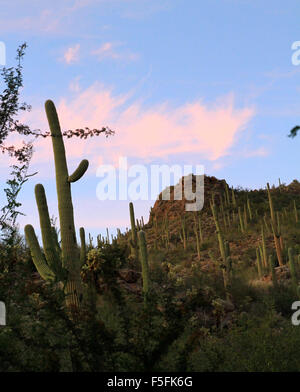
(249, 209)
(264, 249)
(241, 220)
(295, 211)
(197, 236)
(144, 262)
(134, 240)
(259, 264)
(275, 228)
(233, 198)
(183, 233)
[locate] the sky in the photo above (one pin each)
(207, 82)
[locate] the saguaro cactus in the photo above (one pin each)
(249, 209)
(259, 264)
(233, 198)
(227, 270)
(82, 246)
(264, 249)
(276, 233)
(2, 313)
(227, 195)
(219, 233)
(224, 247)
(144, 262)
(245, 217)
(197, 237)
(53, 265)
(183, 232)
(241, 220)
(268, 230)
(166, 233)
(134, 240)
(295, 211)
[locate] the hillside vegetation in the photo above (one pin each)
(186, 291)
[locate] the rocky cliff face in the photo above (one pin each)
(172, 209)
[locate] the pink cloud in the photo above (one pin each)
(108, 50)
(74, 85)
(259, 152)
(71, 55)
(159, 132)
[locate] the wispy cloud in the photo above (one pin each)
(71, 55)
(74, 85)
(259, 152)
(158, 132)
(60, 16)
(141, 9)
(276, 74)
(44, 21)
(79, 4)
(108, 50)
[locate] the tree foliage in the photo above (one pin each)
(10, 110)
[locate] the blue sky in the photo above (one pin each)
(189, 82)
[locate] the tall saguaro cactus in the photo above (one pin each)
(219, 232)
(274, 224)
(144, 262)
(68, 261)
(134, 238)
(82, 246)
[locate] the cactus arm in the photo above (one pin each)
(47, 233)
(36, 253)
(79, 172)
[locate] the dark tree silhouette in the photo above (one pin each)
(294, 131)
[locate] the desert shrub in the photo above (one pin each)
(252, 346)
